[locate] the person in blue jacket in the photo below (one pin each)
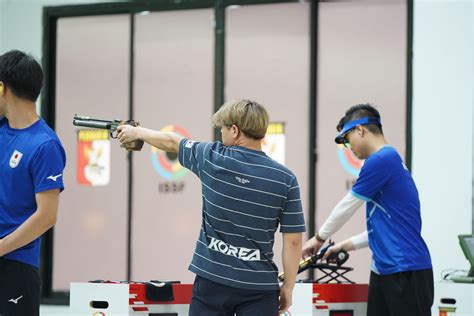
(401, 280)
(32, 160)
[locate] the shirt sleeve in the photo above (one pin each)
(360, 241)
(340, 215)
(191, 155)
(47, 167)
(292, 218)
(373, 176)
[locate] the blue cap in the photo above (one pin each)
(352, 124)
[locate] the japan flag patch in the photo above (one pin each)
(15, 159)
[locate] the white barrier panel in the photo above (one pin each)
(109, 299)
(98, 299)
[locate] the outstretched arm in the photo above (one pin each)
(167, 141)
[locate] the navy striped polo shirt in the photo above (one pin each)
(246, 195)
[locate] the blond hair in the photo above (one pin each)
(249, 116)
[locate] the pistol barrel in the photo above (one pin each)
(92, 124)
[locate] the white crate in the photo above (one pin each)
(83, 296)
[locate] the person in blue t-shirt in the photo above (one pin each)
(401, 280)
(32, 160)
(246, 196)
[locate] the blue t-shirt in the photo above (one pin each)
(393, 214)
(246, 195)
(31, 161)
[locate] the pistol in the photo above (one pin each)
(339, 258)
(112, 126)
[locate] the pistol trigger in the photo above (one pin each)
(113, 134)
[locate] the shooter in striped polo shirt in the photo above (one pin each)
(246, 196)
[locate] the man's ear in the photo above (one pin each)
(235, 131)
(1, 88)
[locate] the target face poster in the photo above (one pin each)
(93, 157)
(274, 143)
(167, 164)
(349, 162)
